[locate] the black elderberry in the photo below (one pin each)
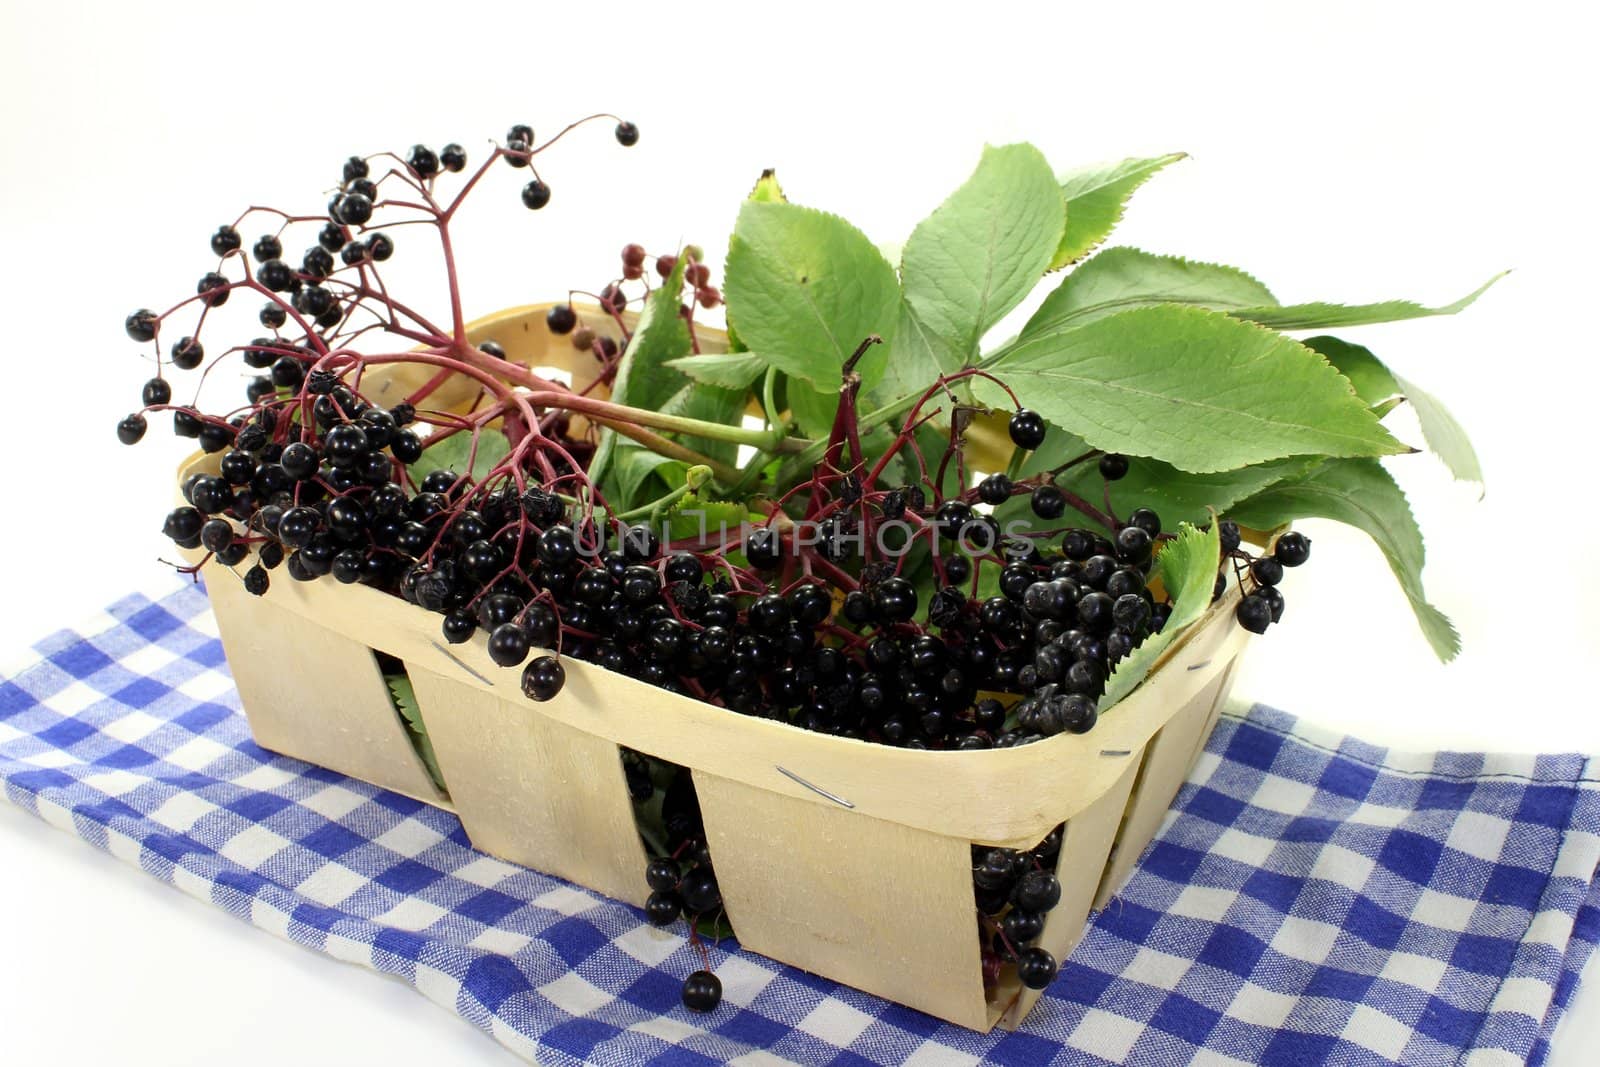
(353, 253)
(957, 569)
(1015, 579)
(1048, 502)
(661, 875)
(639, 543)
(627, 134)
(810, 604)
(995, 489)
(256, 581)
(1037, 891)
(1254, 613)
(699, 892)
(1266, 570)
(1131, 611)
(453, 157)
(702, 990)
(131, 429)
(225, 240)
(458, 626)
(156, 391)
(857, 607)
(273, 315)
(275, 275)
(1036, 968)
(406, 446)
(764, 548)
(380, 246)
(1133, 545)
(561, 319)
(141, 325)
(1113, 466)
(1274, 600)
(508, 644)
(543, 678)
(1027, 429)
(1293, 548)
(684, 567)
(895, 599)
(951, 517)
(187, 353)
(662, 907)
(212, 289)
(641, 584)
(183, 523)
(1021, 926)
(354, 209)
(535, 195)
(1228, 532)
(318, 262)
(1077, 545)
(423, 160)
(345, 445)
(1146, 520)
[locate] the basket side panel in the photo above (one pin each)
(875, 905)
(531, 790)
(1085, 844)
(311, 693)
(1165, 767)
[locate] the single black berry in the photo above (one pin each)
(454, 158)
(1266, 571)
(1113, 466)
(535, 195)
(543, 678)
(131, 429)
(141, 325)
(561, 319)
(1293, 548)
(702, 990)
(627, 134)
(1254, 613)
(1027, 429)
(1036, 968)
(508, 644)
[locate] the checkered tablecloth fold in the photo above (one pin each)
(1310, 899)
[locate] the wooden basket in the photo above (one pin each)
(845, 858)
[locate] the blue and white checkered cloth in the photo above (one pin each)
(1310, 899)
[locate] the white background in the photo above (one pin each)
(1348, 152)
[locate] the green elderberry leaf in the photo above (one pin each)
(1193, 388)
(1188, 569)
(1178, 496)
(1377, 385)
(1359, 493)
(1322, 316)
(982, 251)
(726, 370)
(1371, 380)
(767, 190)
(805, 288)
(455, 453)
(404, 698)
(1095, 198)
(1120, 278)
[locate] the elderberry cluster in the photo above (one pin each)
(1015, 891)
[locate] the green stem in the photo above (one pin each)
(664, 501)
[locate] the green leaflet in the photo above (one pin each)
(644, 381)
(982, 251)
(1445, 436)
(1178, 496)
(404, 698)
(1188, 569)
(1368, 376)
(1376, 383)
(452, 454)
(1321, 316)
(1361, 493)
(805, 288)
(1095, 199)
(767, 190)
(725, 370)
(1120, 278)
(1193, 388)
(918, 358)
